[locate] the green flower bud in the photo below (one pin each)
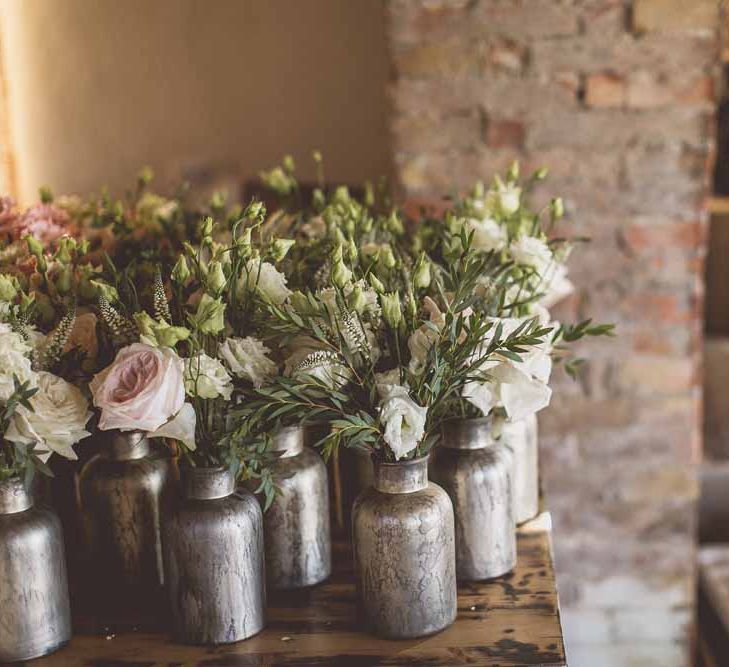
(181, 272)
(45, 194)
(391, 308)
(341, 275)
(366, 224)
(206, 227)
(35, 247)
(145, 176)
(357, 300)
(369, 195)
(280, 248)
(556, 208)
(300, 303)
(218, 200)
(386, 257)
(541, 174)
(316, 155)
(394, 224)
(352, 250)
(255, 211)
(209, 317)
(216, 277)
(64, 280)
(8, 287)
(421, 277)
(318, 200)
(479, 190)
(104, 289)
(288, 164)
(513, 173)
(376, 284)
(341, 195)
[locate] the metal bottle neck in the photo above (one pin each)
(468, 433)
(125, 445)
(289, 440)
(207, 483)
(14, 497)
(401, 477)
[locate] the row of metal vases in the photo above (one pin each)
(143, 544)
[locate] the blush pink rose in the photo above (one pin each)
(141, 390)
(45, 222)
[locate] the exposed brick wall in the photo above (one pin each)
(616, 97)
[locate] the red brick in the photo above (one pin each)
(648, 90)
(605, 89)
(675, 15)
(504, 133)
(642, 237)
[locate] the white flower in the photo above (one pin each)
(505, 196)
(557, 286)
(57, 421)
(531, 251)
(206, 377)
(270, 282)
(14, 361)
(404, 421)
(521, 394)
(308, 360)
(248, 358)
(483, 395)
(488, 234)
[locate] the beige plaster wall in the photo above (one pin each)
(97, 88)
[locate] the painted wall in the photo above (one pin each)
(210, 89)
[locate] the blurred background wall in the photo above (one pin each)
(204, 90)
(616, 98)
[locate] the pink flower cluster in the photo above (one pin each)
(45, 222)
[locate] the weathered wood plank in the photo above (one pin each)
(511, 621)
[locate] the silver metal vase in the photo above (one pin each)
(214, 560)
(297, 525)
(35, 613)
(123, 491)
(477, 471)
(404, 552)
(522, 438)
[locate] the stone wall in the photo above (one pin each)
(616, 97)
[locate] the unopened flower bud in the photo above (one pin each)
(35, 247)
(376, 284)
(280, 248)
(541, 174)
(180, 272)
(391, 308)
(216, 276)
(421, 277)
(8, 287)
(357, 300)
(394, 224)
(513, 173)
(386, 257)
(556, 207)
(64, 280)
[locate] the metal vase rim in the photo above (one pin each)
(475, 433)
(407, 476)
(14, 497)
(207, 483)
(289, 440)
(125, 445)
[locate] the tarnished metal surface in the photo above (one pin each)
(477, 472)
(297, 524)
(213, 550)
(35, 614)
(404, 552)
(522, 438)
(123, 492)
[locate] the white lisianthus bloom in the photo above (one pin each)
(325, 367)
(483, 395)
(404, 421)
(504, 196)
(270, 282)
(206, 377)
(57, 421)
(14, 361)
(557, 286)
(248, 358)
(521, 394)
(531, 251)
(387, 381)
(488, 234)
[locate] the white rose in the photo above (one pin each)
(57, 421)
(270, 282)
(404, 421)
(531, 251)
(206, 377)
(488, 234)
(14, 361)
(248, 358)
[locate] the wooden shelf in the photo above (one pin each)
(510, 621)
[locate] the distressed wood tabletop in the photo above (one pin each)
(511, 621)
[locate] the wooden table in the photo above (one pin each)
(511, 621)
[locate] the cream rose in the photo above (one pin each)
(206, 377)
(141, 390)
(488, 234)
(531, 251)
(14, 361)
(248, 358)
(57, 421)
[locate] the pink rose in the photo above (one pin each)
(45, 222)
(141, 390)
